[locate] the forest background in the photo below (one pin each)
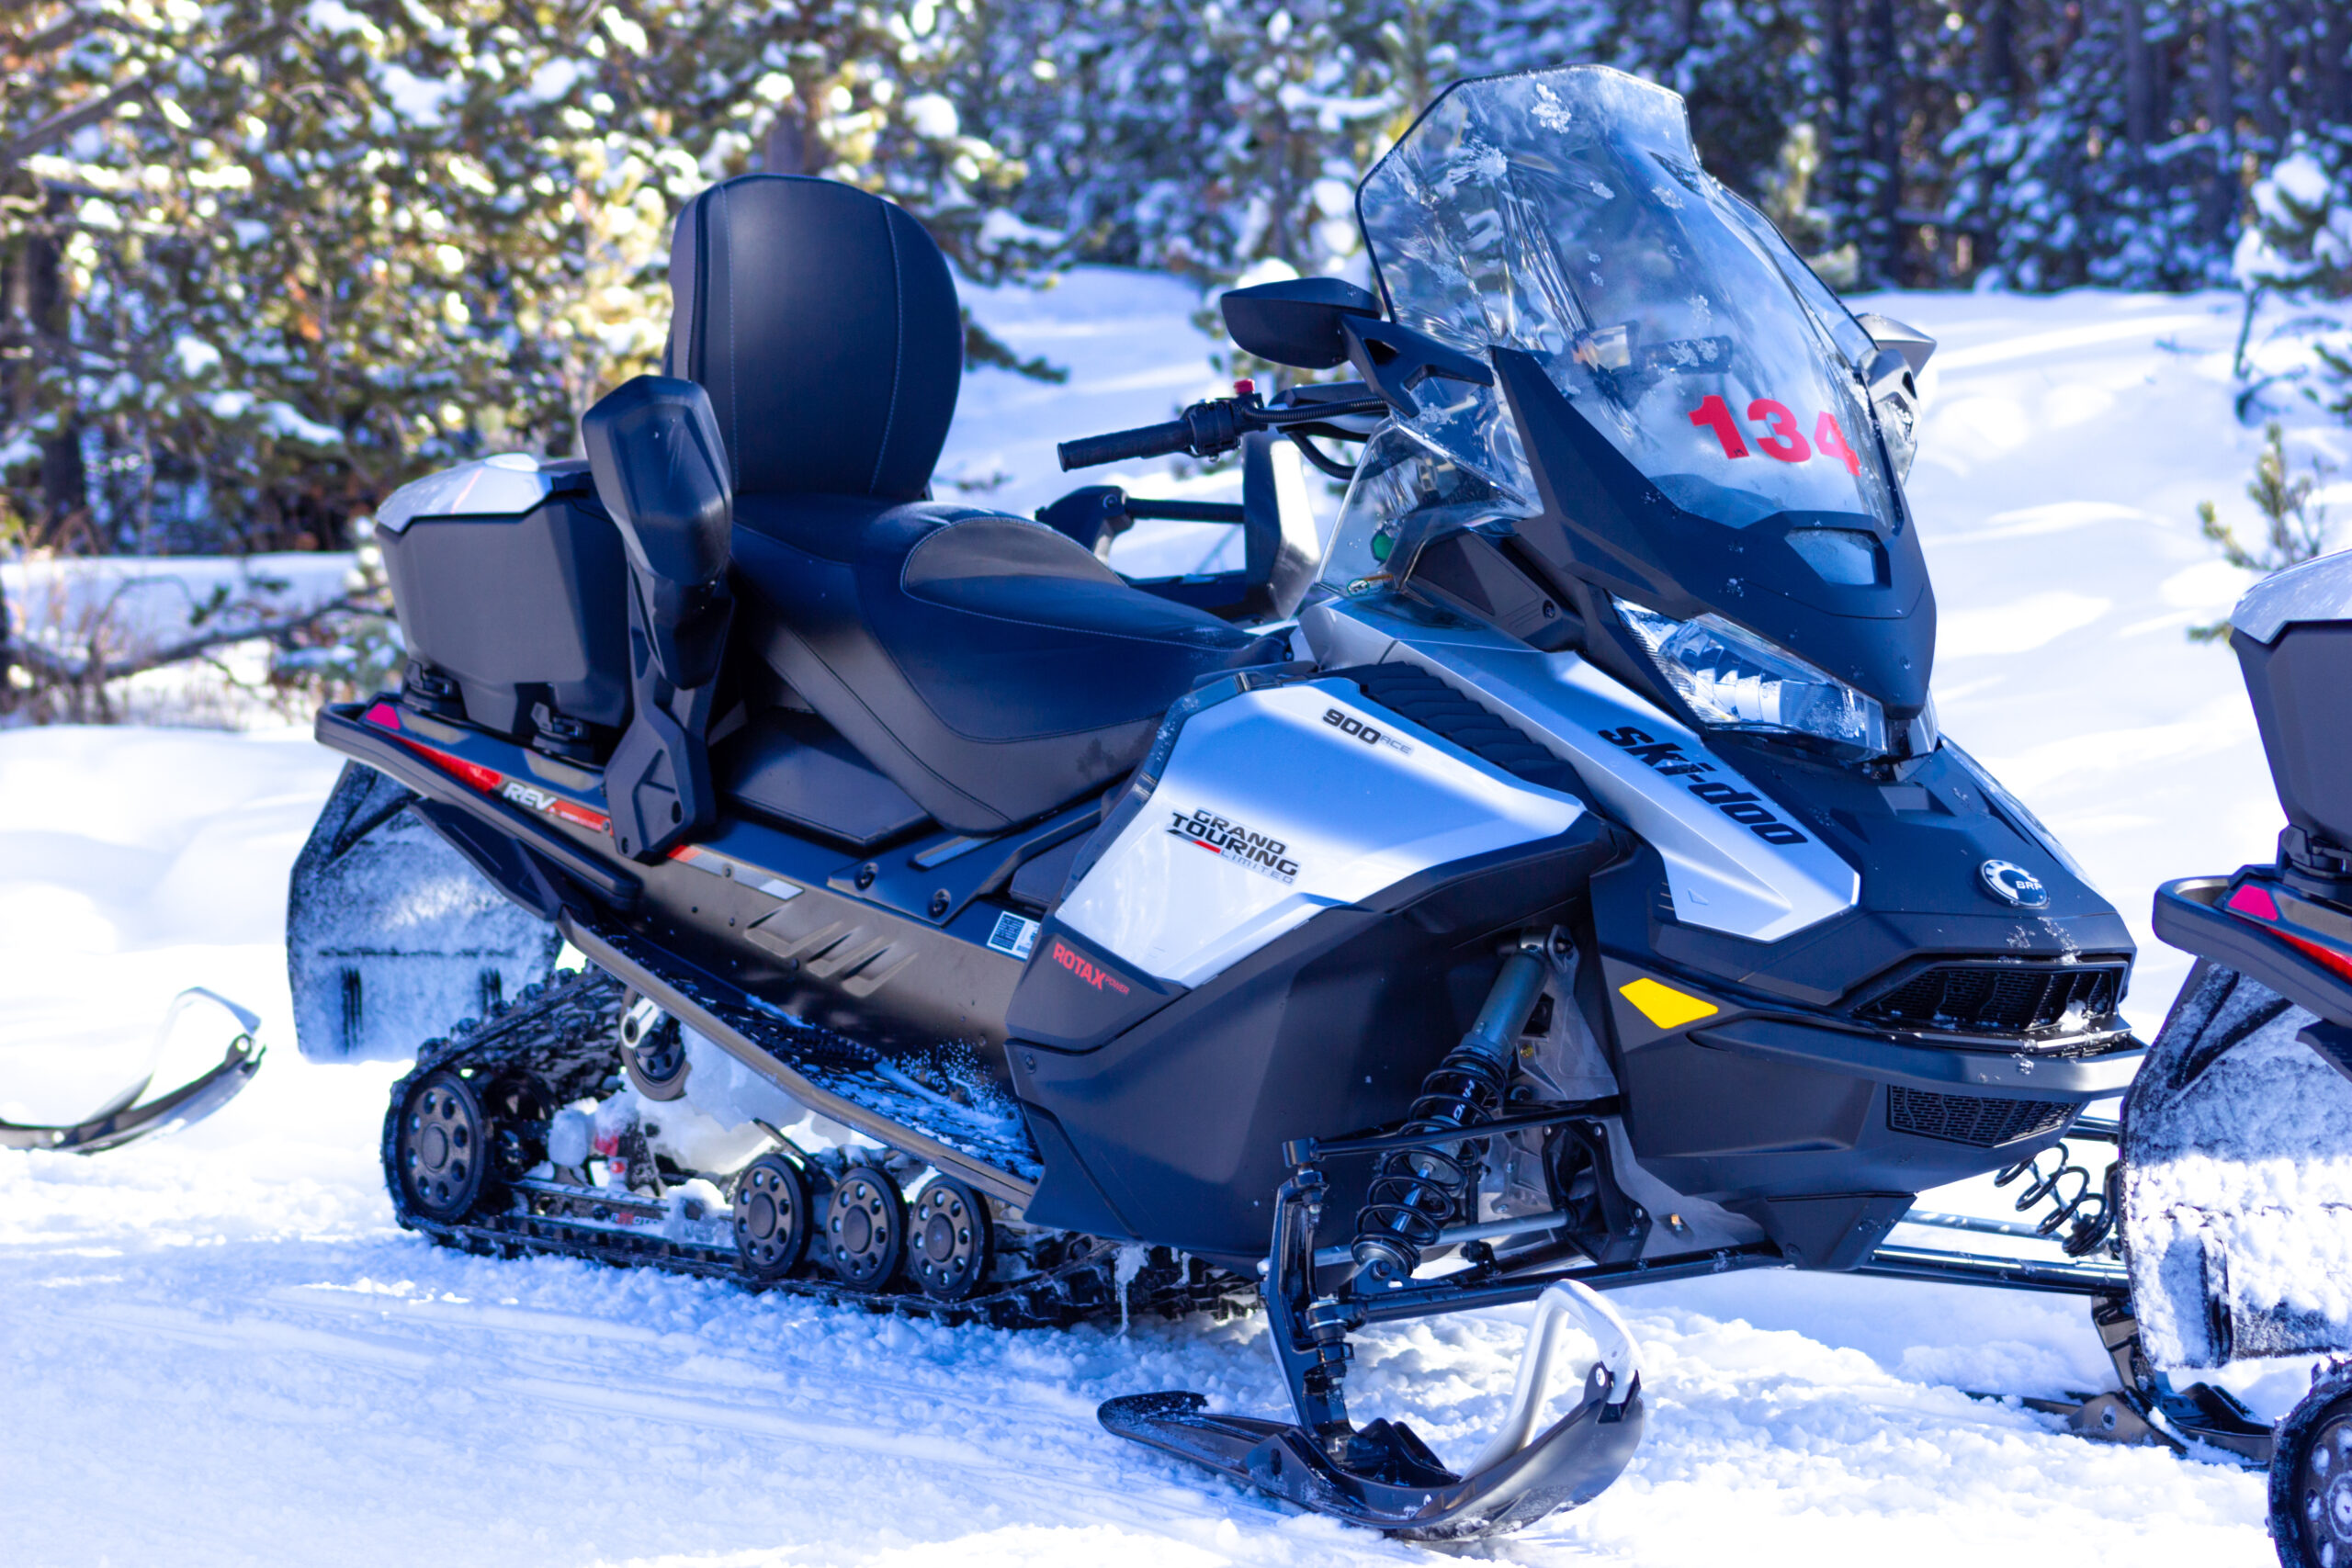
(261, 263)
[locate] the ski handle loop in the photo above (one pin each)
(1619, 1355)
(247, 1019)
(248, 1025)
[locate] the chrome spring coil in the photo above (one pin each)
(2085, 1207)
(1416, 1193)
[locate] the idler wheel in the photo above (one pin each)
(866, 1229)
(950, 1240)
(443, 1147)
(771, 1217)
(653, 1052)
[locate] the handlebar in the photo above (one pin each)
(1151, 441)
(1209, 428)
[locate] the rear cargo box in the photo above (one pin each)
(2294, 639)
(509, 578)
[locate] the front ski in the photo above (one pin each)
(1383, 1477)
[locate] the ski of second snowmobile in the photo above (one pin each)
(129, 1117)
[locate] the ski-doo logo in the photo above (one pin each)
(1086, 969)
(1743, 806)
(1251, 851)
(1348, 723)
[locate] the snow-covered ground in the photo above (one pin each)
(216, 1350)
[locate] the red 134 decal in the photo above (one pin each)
(1783, 438)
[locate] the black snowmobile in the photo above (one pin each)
(1545, 877)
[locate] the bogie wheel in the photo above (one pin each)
(949, 1240)
(443, 1146)
(518, 1118)
(866, 1229)
(771, 1217)
(2310, 1476)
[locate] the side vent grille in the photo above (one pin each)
(1410, 691)
(2000, 998)
(1980, 1121)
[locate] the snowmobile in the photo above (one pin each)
(1546, 876)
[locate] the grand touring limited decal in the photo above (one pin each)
(1245, 848)
(1743, 806)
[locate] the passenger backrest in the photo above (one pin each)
(824, 326)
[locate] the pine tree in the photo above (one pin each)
(2294, 521)
(300, 255)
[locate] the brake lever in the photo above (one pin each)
(1216, 425)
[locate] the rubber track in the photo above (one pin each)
(564, 1035)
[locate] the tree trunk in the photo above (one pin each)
(2160, 53)
(49, 311)
(1686, 26)
(1882, 136)
(2271, 109)
(1838, 49)
(1997, 61)
(787, 145)
(2139, 76)
(2221, 73)
(2221, 113)
(2329, 76)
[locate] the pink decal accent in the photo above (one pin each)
(2253, 901)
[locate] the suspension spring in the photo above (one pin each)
(2086, 1209)
(1416, 1193)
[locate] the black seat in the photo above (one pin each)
(992, 668)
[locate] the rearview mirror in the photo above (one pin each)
(1297, 320)
(1909, 342)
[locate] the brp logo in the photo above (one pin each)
(2014, 884)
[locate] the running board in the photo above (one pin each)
(993, 1154)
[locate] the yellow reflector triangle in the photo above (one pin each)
(1665, 1006)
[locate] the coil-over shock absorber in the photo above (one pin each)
(1416, 1193)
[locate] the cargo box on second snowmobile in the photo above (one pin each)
(2298, 662)
(510, 583)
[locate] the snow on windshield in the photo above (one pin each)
(1565, 213)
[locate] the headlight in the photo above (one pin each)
(1735, 679)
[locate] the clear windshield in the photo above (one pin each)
(1564, 213)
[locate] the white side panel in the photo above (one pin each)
(1283, 802)
(1723, 868)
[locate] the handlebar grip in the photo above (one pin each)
(1151, 441)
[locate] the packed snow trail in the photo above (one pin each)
(216, 1348)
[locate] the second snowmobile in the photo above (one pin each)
(1547, 876)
